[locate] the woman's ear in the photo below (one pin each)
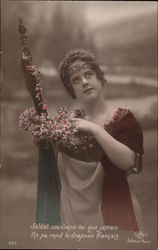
(104, 81)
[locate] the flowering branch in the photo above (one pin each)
(30, 72)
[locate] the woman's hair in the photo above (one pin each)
(78, 55)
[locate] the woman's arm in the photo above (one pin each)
(118, 153)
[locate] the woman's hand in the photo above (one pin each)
(84, 125)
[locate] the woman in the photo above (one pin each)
(88, 184)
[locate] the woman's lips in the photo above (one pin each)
(87, 90)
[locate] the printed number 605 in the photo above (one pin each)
(12, 243)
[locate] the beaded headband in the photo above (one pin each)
(77, 66)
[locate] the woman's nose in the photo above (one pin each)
(84, 81)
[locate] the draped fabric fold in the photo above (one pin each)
(48, 189)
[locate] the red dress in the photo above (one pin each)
(116, 203)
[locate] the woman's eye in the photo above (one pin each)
(76, 80)
(89, 74)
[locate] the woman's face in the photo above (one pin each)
(86, 85)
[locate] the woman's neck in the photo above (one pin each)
(96, 108)
(100, 112)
